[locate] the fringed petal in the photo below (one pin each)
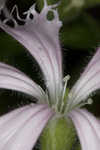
(88, 82)
(20, 129)
(88, 129)
(40, 36)
(12, 78)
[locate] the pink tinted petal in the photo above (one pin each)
(92, 86)
(88, 129)
(15, 120)
(12, 114)
(94, 122)
(23, 129)
(40, 37)
(94, 60)
(12, 78)
(89, 80)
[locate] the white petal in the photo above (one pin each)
(12, 114)
(12, 78)
(94, 122)
(40, 37)
(89, 80)
(88, 129)
(22, 129)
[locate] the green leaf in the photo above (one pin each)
(83, 33)
(58, 135)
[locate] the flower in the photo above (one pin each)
(21, 128)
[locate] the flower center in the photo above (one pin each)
(60, 105)
(65, 104)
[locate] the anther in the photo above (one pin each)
(65, 80)
(90, 101)
(87, 102)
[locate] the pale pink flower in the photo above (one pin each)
(21, 128)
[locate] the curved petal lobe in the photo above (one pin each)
(12, 78)
(21, 128)
(89, 80)
(88, 129)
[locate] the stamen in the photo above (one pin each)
(2, 4)
(90, 101)
(69, 107)
(87, 102)
(65, 80)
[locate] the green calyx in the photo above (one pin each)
(59, 134)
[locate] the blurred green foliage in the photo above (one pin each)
(91, 3)
(83, 33)
(78, 147)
